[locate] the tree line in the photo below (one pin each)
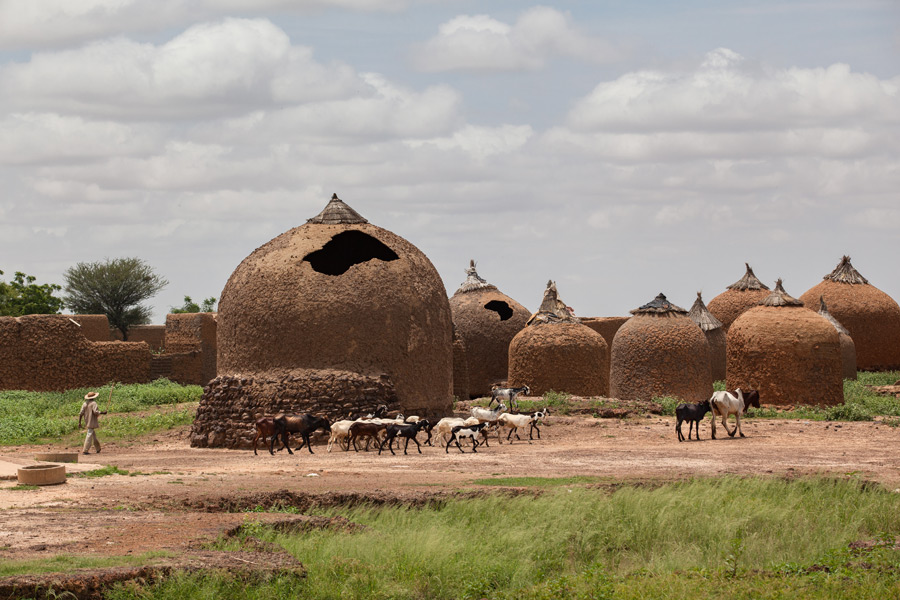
(112, 287)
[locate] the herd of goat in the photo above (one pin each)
(380, 429)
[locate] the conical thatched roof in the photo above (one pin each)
(659, 306)
(823, 310)
(845, 273)
(552, 310)
(474, 281)
(779, 297)
(700, 315)
(748, 282)
(337, 212)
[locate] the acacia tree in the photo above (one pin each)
(189, 306)
(115, 288)
(22, 296)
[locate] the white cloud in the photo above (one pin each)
(482, 43)
(725, 94)
(210, 70)
(60, 23)
(481, 142)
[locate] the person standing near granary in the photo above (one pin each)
(91, 414)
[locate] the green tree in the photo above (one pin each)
(189, 306)
(115, 288)
(22, 296)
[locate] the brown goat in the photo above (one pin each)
(265, 428)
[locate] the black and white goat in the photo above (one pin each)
(464, 431)
(502, 395)
(405, 431)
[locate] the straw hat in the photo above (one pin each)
(91, 395)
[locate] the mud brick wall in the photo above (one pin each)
(154, 335)
(94, 327)
(231, 404)
(188, 333)
(49, 352)
(605, 326)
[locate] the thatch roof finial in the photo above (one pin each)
(659, 306)
(474, 281)
(700, 315)
(845, 273)
(748, 282)
(779, 297)
(553, 310)
(823, 310)
(337, 212)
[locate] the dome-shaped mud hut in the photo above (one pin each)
(792, 355)
(487, 320)
(660, 352)
(556, 352)
(460, 367)
(742, 295)
(332, 317)
(871, 316)
(848, 348)
(715, 336)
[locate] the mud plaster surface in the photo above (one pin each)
(182, 507)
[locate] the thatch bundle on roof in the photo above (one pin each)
(871, 316)
(336, 293)
(660, 352)
(740, 296)
(848, 347)
(715, 336)
(790, 354)
(556, 352)
(487, 320)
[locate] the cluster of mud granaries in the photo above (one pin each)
(338, 316)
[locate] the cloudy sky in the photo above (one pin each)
(620, 148)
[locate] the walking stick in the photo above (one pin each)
(109, 400)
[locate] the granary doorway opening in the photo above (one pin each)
(501, 308)
(346, 249)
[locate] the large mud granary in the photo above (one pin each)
(332, 317)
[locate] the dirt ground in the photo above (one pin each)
(186, 496)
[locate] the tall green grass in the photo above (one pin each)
(27, 417)
(576, 541)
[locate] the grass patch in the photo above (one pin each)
(34, 417)
(66, 563)
(102, 472)
(23, 487)
(716, 538)
(541, 482)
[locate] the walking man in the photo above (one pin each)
(91, 414)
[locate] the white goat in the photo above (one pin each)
(723, 404)
(513, 422)
(485, 414)
(340, 431)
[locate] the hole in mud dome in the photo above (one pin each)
(501, 308)
(346, 249)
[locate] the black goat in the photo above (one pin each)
(305, 424)
(692, 413)
(406, 431)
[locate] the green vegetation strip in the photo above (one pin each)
(66, 563)
(721, 538)
(33, 417)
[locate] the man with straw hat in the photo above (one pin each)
(91, 414)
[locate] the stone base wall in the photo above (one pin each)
(49, 352)
(231, 404)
